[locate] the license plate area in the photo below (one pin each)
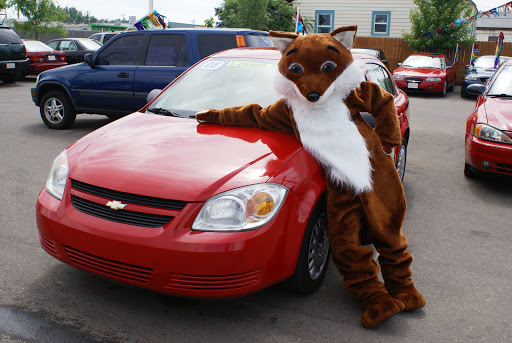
(10, 65)
(51, 58)
(412, 85)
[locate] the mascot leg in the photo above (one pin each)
(385, 217)
(354, 262)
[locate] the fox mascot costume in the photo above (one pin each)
(323, 93)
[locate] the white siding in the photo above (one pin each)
(360, 13)
(483, 35)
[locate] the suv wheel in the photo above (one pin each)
(56, 110)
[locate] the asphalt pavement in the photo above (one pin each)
(459, 232)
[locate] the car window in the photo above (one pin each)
(108, 36)
(448, 63)
(502, 85)
(8, 36)
(54, 45)
(258, 40)
(67, 45)
(123, 51)
(222, 83)
(167, 50)
(96, 37)
(212, 43)
(90, 44)
(35, 46)
(418, 61)
(380, 76)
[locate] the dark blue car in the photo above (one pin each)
(116, 79)
(482, 71)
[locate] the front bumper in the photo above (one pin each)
(423, 86)
(9, 67)
(173, 259)
(498, 154)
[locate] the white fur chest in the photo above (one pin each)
(331, 136)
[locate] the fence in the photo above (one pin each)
(70, 34)
(396, 50)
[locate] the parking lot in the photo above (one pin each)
(459, 232)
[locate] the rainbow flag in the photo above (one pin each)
(457, 54)
(474, 51)
(499, 45)
(151, 20)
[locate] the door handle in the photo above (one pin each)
(123, 75)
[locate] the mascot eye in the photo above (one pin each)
(328, 66)
(295, 68)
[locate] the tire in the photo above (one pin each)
(10, 78)
(443, 92)
(56, 110)
(314, 255)
(401, 160)
(468, 172)
(452, 86)
(464, 93)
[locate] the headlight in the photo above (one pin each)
(433, 79)
(58, 176)
(37, 78)
(241, 209)
(491, 134)
(471, 77)
(398, 77)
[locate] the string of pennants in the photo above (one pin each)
(151, 20)
(494, 12)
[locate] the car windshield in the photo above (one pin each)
(486, 62)
(219, 83)
(502, 85)
(418, 61)
(90, 44)
(374, 53)
(36, 46)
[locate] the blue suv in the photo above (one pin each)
(116, 79)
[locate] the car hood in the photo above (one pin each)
(176, 158)
(499, 113)
(420, 72)
(480, 72)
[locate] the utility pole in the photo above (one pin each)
(150, 6)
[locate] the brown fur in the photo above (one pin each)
(382, 210)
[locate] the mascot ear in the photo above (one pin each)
(345, 35)
(281, 39)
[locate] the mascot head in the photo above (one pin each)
(315, 65)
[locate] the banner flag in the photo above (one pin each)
(499, 45)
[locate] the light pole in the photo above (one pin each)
(150, 6)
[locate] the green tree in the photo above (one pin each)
(43, 17)
(256, 14)
(431, 15)
(209, 22)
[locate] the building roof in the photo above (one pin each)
(502, 22)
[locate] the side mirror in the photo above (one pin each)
(449, 67)
(385, 61)
(152, 94)
(476, 89)
(89, 59)
(399, 64)
(467, 67)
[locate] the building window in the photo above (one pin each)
(324, 21)
(380, 23)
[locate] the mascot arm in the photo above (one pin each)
(275, 117)
(370, 97)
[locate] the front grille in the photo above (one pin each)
(129, 198)
(109, 268)
(504, 168)
(48, 245)
(120, 216)
(414, 79)
(186, 282)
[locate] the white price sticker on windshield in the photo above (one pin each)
(213, 65)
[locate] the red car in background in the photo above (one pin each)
(159, 201)
(489, 127)
(425, 72)
(42, 57)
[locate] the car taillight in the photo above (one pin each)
(240, 41)
(25, 48)
(37, 58)
(63, 57)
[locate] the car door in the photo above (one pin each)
(108, 85)
(167, 57)
(450, 73)
(70, 49)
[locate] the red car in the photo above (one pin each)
(489, 127)
(42, 57)
(425, 72)
(159, 201)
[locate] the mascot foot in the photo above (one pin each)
(411, 298)
(380, 309)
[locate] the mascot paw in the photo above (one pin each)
(208, 116)
(411, 298)
(379, 310)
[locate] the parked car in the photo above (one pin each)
(104, 37)
(13, 56)
(117, 78)
(480, 72)
(42, 57)
(74, 48)
(159, 201)
(374, 52)
(489, 127)
(425, 72)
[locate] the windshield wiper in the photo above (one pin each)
(500, 95)
(163, 111)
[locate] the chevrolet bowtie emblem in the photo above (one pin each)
(116, 205)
